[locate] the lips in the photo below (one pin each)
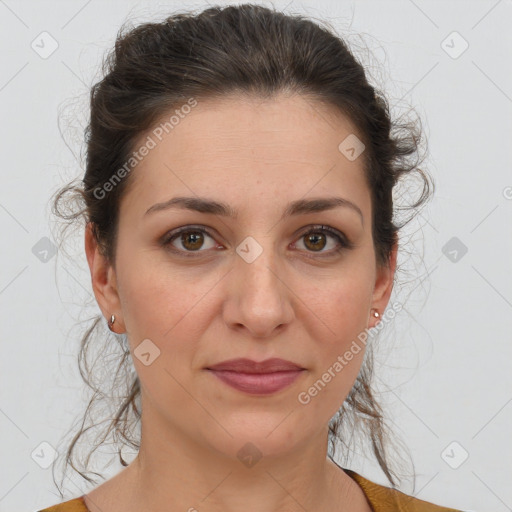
(257, 378)
(243, 365)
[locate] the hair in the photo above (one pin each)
(221, 51)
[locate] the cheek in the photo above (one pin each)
(161, 306)
(170, 309)
(156, 297)
(339, 333)
(339, 308)
(331, 380)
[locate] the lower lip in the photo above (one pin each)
(257, 383)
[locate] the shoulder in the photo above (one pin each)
(74, 505)
(386, 499)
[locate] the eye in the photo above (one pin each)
(192, 239)
(315, 240)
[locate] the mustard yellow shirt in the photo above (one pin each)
(380, 498)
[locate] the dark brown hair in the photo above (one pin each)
(247, 49)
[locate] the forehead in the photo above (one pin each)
(247, 147)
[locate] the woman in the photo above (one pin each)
(240, 238)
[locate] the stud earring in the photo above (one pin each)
(376, 314)
(111, 323)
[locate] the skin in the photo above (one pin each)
(256, 155)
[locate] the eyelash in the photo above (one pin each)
(168, 238)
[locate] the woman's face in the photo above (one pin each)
(254, 286)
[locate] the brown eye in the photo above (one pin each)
(191, 239)
(315, 241)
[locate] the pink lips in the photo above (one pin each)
(254, 377)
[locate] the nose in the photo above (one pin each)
(258, 298)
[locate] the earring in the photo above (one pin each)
(111, 322)
(376, 314)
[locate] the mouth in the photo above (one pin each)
(258, 383)
(257, 378)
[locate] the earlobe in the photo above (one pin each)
(384, 283)
(110, 323)
(103, 277)
(375, 314)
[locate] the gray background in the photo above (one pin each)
(444, 364)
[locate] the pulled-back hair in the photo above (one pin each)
(156, 68)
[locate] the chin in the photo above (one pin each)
(256, 436)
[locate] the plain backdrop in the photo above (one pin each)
(445, 368)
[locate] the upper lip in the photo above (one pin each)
(243, 365)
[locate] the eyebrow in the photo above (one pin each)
(298, 207)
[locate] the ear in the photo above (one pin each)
(384, 285)
(103, 278)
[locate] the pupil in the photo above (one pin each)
(195, 238)
(314, 238)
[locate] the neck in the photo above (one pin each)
(191, 476)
